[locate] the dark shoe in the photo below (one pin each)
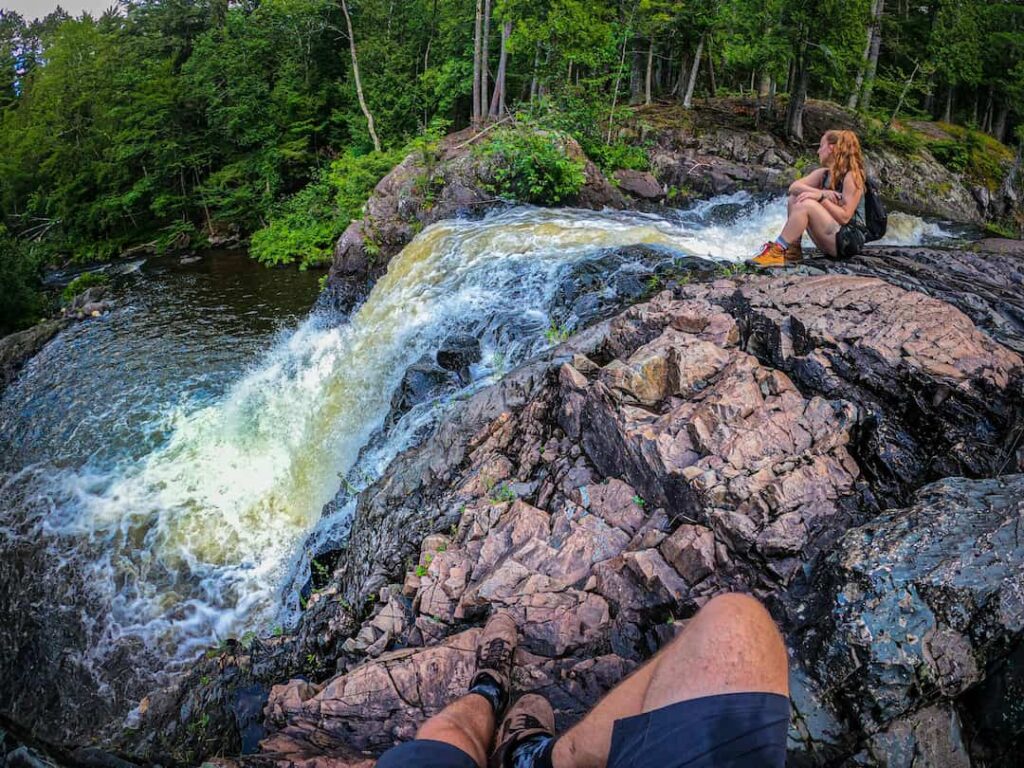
(530, 716)
(771, 255)
(795, 252)
(494, 651)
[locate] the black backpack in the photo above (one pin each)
(876, 219)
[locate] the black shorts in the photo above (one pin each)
(849, 241)
(736, 730)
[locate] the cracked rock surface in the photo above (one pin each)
(785, 436)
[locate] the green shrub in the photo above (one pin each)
(81, 284)
(619, 154)
(952, 154)
(533, 167)
(585, 118)
(305, 226)
(21, 302)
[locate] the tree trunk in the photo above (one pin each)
(688, 98)
(680, 90)
(947, 116)
(986, 118)
(636, 78)
(876, 47)
(999, 124)
(359, 82)
(763, 90)
(618, 74)
(903, 95)
(929, 98)
(790, 74)
(498, 101)
(477, 24)
(536, 66)
(650, 72)
(763, 87)
(868, 37)
(711, 68)
(485, 59)
(430, 37)
(797, 99)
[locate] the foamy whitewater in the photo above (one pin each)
(201, 537)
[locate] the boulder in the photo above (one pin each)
(926, 598)
(17, 348)
(639, 184)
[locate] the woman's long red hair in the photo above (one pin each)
(846, 157)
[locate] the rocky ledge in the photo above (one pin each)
(713, 149)
(841, 447)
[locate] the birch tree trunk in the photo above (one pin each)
(536, 66)
(688, 98)
(876, 47)
(711, 68)
(650, 72)
(851, 103)
(476, 63)
(359, 82)
(498, 100)
(485, 59)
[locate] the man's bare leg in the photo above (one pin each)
(467, 723)
(730, 646)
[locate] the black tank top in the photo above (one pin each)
(858, 216)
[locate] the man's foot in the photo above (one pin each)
(494, 651)
(771, 255)
(526, 734)
(795, 252)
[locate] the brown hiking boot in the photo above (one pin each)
(494, 652)
(771, 255)
(795, 252)
(530, 716)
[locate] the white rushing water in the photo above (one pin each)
(196, 540)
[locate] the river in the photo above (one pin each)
(164, 469)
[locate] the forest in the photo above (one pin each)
(175, 121)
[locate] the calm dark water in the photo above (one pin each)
(179, 333)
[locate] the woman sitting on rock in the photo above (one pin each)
(827, 203)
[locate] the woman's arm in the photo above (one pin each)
(845, 207)
(809, 183)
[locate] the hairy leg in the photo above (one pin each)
(811, 216)
(467, 723)
(731, 646)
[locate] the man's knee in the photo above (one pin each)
(737, 615)
(739, 632)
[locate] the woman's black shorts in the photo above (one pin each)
(849, 241)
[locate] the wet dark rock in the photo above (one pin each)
(925, 599)
(17, 348)
(458, 353)
(423, 381)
